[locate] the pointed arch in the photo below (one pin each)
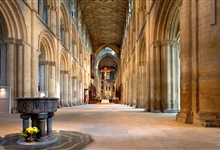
(112, 46)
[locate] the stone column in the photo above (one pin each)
(66, 33)
(70, 91)
(20, 68)
(10, 58)
(44, 75)
(74, 91)
(3, 63)
(185, 114)
(152, 70)
(53, 19)
(25, 118)
(41, 125)
(51, 79)
(34, 56)
(61, 88)
(27, 70)
(169, 75)
(157, 76)
(49, 124)
(165, 67)
(65, 88)
(49, 16)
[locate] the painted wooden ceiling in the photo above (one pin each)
(105, 21)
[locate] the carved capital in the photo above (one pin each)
(166, 42)
(9, 40)
(64, 71)
(20, 42)
(44, 63)
(53, 63)
(67, 29)
(157, 43)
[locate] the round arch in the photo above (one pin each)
(47, 43)
(13, 20)
(63, 61)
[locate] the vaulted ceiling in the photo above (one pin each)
(105, 21)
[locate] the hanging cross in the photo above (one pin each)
(105, 71)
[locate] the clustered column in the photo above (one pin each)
(169, 65)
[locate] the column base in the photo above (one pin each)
(185, 117)
(207, 119)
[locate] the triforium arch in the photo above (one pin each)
(74, 50)
(141, 99)
(64, 24)
(165, 52)
(47, 64)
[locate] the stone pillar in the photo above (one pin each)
(20, 68)
(27, 70)
(49, 124)
(157, 77)
(74, 91)
(3, 63)
(70, 91)
(53, 18)
(169, 76)
(65, 88)
(41, 125)
(49, 16)
(25, 119)
(185, 114)
(66, 33)
(44, 75)
(51, 79)
(165, 73)
(34, 56)
(10, 58)
(61, 88)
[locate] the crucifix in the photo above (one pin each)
(105, 70)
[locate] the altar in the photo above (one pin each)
(105, 101)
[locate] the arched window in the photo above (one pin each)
(42, 7)
(45, 11)
(61, 31)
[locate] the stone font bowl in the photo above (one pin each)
(37, 105)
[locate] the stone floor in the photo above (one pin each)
(115, 126)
